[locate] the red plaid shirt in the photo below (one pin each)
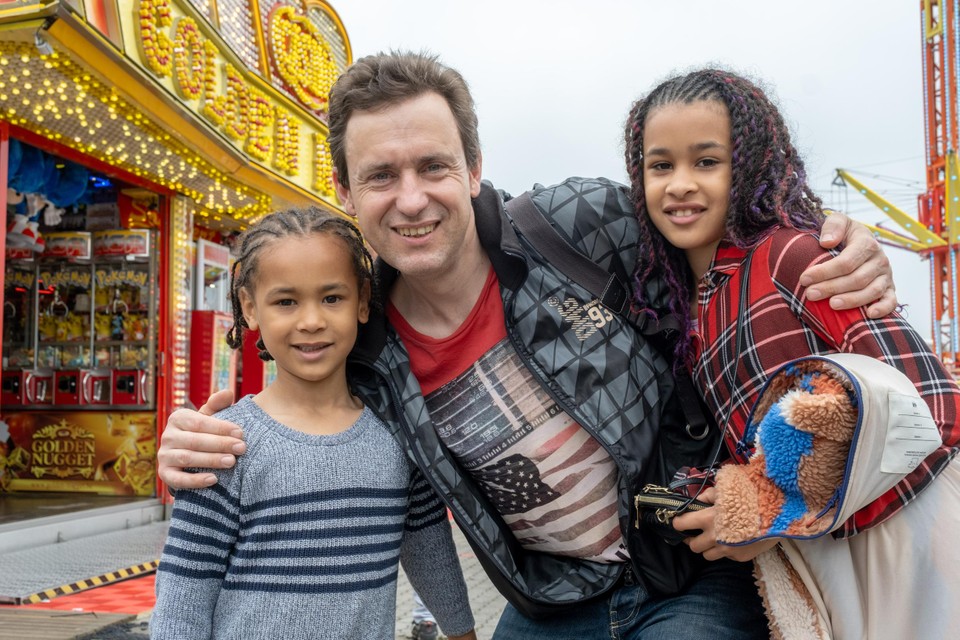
(780, 324)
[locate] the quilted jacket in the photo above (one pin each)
(594, 363)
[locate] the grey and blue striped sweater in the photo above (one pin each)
(302, 538)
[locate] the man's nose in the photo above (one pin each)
(411, 197)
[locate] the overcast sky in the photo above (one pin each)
(553, 81)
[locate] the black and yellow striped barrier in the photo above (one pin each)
(89, 583)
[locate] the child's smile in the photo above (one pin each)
(687, 176)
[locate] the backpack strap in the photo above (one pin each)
(609, 290)
(606, 287)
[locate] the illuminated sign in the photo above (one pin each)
(103, 452)
(303, 58)
(184, 57)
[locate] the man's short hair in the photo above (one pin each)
(384, 79)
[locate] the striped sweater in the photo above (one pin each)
(302, 539)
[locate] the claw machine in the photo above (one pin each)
(79, 355)
(20, 379)
(125, 318)
(213, 364)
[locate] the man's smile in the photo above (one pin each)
(416, 232)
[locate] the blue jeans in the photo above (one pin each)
(721, 604)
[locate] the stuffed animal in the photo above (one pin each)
(101, 325)
(48, 327)
(134, 328)
(805, 424)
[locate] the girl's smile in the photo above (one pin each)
(687, 173)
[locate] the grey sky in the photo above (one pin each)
(553, 81)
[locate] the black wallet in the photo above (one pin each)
(656, 507)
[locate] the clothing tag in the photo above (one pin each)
(912, 434)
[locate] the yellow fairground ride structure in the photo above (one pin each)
(936, 234)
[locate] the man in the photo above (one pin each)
(533, 432)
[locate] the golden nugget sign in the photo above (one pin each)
(63, 450)
(176, 50)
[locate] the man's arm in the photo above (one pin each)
(860, 276)
(195, 439)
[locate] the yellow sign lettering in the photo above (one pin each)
(155, 44)
(286, 139)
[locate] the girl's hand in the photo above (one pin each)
(706, 543)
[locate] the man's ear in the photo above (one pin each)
(248, 309)
(344, 194)
(475, 176)
(363, 314)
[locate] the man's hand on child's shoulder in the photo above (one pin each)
(196, 439)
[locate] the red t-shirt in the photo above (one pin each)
(436, 361)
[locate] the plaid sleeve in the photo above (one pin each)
(890, 339)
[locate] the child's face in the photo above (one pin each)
(687, 172)
(306, 303)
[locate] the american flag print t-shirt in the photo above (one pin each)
(552, 482)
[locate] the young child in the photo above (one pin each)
(714, 176)
(303, 537)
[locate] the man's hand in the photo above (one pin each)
(193, 439)
(860, 276)
(706, 543)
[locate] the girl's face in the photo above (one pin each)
(687, 170)
(307, 303)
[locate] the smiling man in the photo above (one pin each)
(532, 431)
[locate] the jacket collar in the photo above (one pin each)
(726, 261)
(498, 238)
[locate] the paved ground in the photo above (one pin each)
(22, 623)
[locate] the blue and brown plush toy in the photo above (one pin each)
(805, 422)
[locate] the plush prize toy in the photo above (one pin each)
(805, 422)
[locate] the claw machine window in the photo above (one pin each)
(125, 314)
(19, 326)
(213, 364)
(65, 287)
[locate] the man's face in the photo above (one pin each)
(410, 186)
